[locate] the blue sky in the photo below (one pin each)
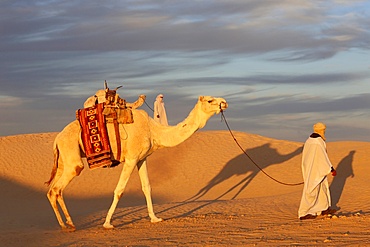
(281, 65)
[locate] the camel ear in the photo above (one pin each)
(201, 98)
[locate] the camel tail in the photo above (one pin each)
(55, 166)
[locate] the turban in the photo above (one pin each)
(320, 128)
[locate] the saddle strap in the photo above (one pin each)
(118, 138)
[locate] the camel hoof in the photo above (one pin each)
(155, 220)
(68, 229)
(71, 225)
(108, 226)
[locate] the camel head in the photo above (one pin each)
(212, 105)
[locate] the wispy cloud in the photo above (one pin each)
(278, 59)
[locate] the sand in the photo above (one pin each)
(206, 189)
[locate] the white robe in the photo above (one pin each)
(160, 111)
(315, 168)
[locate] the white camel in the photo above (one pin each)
(139, 140)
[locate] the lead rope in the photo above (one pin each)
(237, 143)
(148, 106)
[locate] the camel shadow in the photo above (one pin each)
(241, 165)
(344, 171)
(37, 214)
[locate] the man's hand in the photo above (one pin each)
(333, 172)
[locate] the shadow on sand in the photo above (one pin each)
(242, 166)
(25, 208)
(344, 171)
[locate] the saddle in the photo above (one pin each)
(94, 120)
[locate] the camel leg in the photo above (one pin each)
(55, 195)
(52, 196)
(67, 161)
(69, 221)
(145, 185)
(127, 169)
(63, 206)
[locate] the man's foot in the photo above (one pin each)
(308, 217)
(328, 211)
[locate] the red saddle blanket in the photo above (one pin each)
(95, 136)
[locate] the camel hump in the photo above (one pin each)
(111, 97)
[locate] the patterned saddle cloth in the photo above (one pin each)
(95, 136)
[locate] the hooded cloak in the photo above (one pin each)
(160, 115)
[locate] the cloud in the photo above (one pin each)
(272, 60)
(292, 104)
(281, 79)
(231, 26)
(9, 101)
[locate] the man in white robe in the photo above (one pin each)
(160, 115)
(315, 168)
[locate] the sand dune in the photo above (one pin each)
(207, 190)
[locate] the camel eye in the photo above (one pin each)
(210, 101)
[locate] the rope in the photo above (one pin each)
(148, 106)
(241, 148)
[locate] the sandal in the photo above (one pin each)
(328, 211)
(308, 217)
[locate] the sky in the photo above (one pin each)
(282, 65)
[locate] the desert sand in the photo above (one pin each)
(206, 189)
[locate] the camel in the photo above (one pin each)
(138, 140)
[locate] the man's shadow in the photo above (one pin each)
(264, 156)
(344, 171)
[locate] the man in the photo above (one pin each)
(315, 168)
(160, 115)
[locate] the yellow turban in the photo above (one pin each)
(320, 128)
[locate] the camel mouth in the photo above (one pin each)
(223, 105)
